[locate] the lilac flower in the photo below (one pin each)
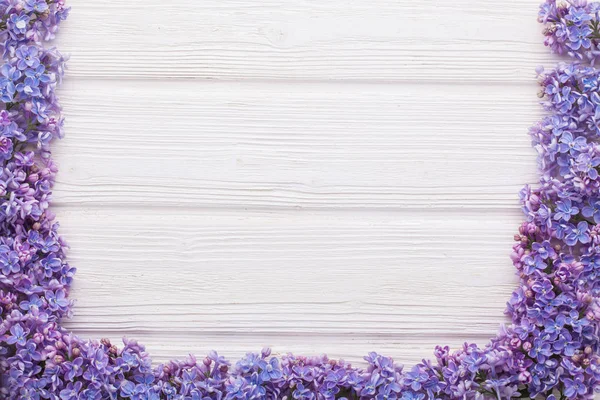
(585, 163)
(574, 387)
(577, 16)
(9, 261)
(270, 370)
(148, 379)
(98, 359)
(540, 350)
(544, 215)
(303, 372)
(71, 392)
(564, 210)
(10, 73)
(566, 99)
(578, 234)
(544, 289)
(57, 300)
(302, 393)
(572, 145)
(96, 394)
(38, 74)
(388, 392)
(328, 391)
(33, 301)
(416, 378)
(50, 265)
(544, 250)
(40, 6)
(579, 37)
(547, 12)
(565, 344)
(18, 335)
(73, 369)
(27, 57)
(236, 389)
(41, 112)
(19, 23)
(592, 210)
(29, 87)
(7, 91)
(531, 264)
(412, 396)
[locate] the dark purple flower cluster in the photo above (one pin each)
(550, 351)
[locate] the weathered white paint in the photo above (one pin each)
(334, 177)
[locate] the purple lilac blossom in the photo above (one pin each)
(572, 28)
(550, 350)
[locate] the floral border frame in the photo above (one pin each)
(550, 351)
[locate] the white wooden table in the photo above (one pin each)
(317, 176)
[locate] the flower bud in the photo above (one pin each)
(38, 337)
(525, 377)
(585, 362)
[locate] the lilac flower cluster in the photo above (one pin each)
(572, 28)
(550, 351)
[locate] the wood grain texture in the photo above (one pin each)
(379, 40)
(288, 145)
(166, 275)
(334, 177)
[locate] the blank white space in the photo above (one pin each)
(334, 177)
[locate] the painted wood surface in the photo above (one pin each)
(334, 177)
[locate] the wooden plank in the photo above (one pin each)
(335, 146)
(182, 282)
(380, 40)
